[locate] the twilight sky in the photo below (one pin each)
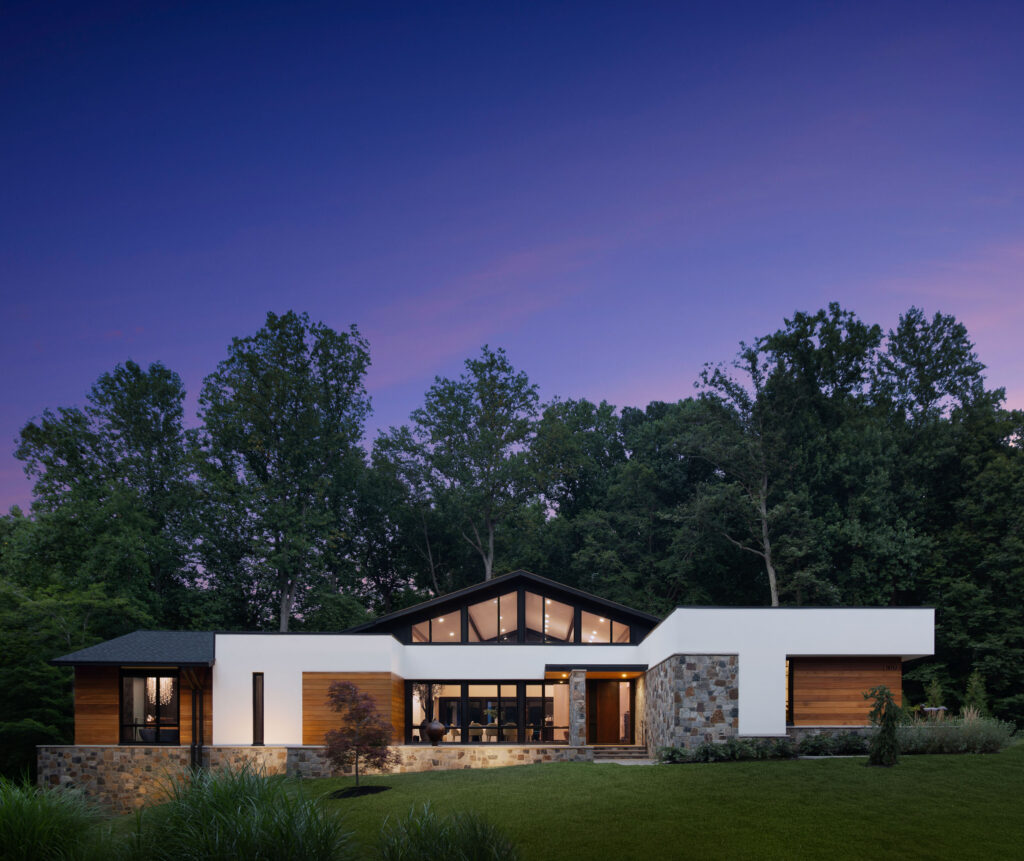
(615, 193)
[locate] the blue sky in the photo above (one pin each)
(615, 193)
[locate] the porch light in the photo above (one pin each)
(441, 619)
(451, 633)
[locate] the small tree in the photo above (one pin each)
(364, 734)
(933, 694)
(976, 694)
(885, 714)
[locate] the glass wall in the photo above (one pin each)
(440, 629)
(492, 712)
(548, 620)
(521, 616)
(495, 620)
(149, 708)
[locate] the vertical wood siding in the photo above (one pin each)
(386, 689)
(830, 691)
(96, 705)
(205, 676)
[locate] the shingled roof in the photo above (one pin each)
(147, 648)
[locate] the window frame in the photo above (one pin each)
(159, 727)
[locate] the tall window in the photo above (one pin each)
(548, 620)
(495, 620)
(149, 708)
(440, 629)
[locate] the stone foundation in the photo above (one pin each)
(126, 778)
(689, 700)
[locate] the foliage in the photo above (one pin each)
(363, 734)
(933, 694)
(731, 750)
(240, 814)
(282, 420)
(423, 835)
(470, 439)
(956, 735)
(826, 744)
(976, 696)
(39, 825)
(885, 714)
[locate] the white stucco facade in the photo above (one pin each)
(762, 638)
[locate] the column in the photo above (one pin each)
(577, 708)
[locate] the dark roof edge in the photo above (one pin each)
(60, 662)
(519, 573)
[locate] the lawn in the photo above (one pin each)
(926, 807)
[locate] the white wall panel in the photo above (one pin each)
(761, 637)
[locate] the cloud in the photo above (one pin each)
(420, 333)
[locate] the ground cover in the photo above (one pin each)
(959, 807)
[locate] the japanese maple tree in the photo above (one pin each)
(363, 734)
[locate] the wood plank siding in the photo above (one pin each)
(96, 705)
(830, 691)
(205, 677)
(98, 698)
(386, 689)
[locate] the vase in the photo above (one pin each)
(433, 730)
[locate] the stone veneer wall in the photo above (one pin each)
(126, 778)
(689, 700)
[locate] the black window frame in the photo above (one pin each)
(171, 729)
(464, 730)
(576, 638)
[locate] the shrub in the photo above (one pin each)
(976, 696)
(425, 836)
(884, 748)
(817, 745)
(50, 823)
(850, 744)
(673, 755)
(240, 814)
(956, 735)
(731, 750)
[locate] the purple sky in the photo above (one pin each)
(614, 193)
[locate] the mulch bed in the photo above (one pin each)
(356, 791)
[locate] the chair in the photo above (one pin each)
(476, 732)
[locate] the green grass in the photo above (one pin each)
(956, 807)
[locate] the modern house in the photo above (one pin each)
(518, 669)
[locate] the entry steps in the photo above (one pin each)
(620, 752)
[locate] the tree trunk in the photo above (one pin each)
(286, 607)
(357, 769)
(489, 558)
(766, 541)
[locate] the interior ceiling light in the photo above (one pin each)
(441, 619)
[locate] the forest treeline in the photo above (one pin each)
(829, 463)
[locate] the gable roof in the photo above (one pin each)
(385, 624)
(147, 648)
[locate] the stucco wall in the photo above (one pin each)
(761, 638)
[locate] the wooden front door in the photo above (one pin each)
(603, 719)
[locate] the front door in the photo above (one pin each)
(608, 717)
